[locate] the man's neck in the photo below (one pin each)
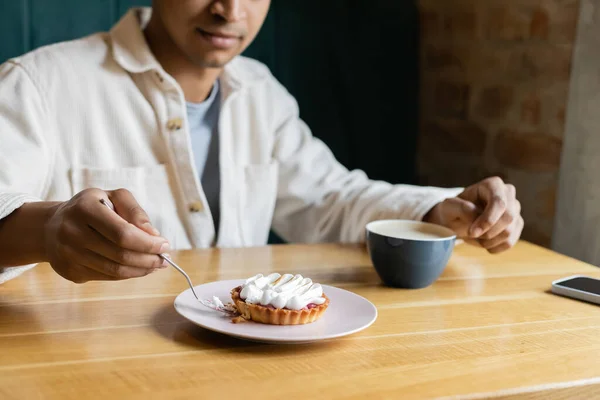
(196, 82)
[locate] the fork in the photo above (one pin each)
(166, 258)
(206, 303)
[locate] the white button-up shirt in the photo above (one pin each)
(101, 112)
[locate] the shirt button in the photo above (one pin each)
(196, 206)
(175, 124)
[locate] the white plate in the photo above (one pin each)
(347, 313)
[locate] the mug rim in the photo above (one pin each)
(450, 233)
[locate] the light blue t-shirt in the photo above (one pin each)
(203, 120)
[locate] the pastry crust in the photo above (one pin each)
(281, 316)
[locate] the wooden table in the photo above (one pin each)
(488, 327)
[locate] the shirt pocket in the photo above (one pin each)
(258, 202)
(152, 188)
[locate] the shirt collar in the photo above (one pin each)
(131, 51)
(129, 45)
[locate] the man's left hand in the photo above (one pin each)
(486, 213)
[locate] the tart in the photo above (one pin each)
(279, 300)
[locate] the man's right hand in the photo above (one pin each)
(84, 240)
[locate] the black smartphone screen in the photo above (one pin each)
(584, 284)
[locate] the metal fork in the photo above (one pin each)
(166, 258)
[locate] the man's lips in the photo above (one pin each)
(222, 40)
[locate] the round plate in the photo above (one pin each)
(347, 313)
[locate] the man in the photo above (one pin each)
(207, 144)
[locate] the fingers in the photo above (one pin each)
(113, 269)
(458, 215)
(492, 194)
(472, 242)
(458, 209)
(500, 225)
(118, 230)
(96, 243)
(89, 241)
(499, 239)
(99, 267)
(512, 213)
(506, 232)
(129, 209)
(505, 240)
(80, 274)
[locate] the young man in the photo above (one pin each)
(207, 144)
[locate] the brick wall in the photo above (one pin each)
(494, 86)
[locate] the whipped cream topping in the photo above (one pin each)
(217, 302)
(289, 291)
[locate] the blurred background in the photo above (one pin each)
(435, 92)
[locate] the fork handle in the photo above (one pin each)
(166, 258)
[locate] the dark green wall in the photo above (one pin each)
(352, 65)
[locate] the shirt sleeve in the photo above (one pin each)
(319, 200)
(25, 157)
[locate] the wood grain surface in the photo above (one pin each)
(488, 328)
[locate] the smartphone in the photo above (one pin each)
(578, 287)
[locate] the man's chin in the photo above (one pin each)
(212, 62)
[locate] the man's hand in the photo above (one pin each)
(487, 213)
(85, 240)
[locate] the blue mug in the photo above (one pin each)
(409, 254)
